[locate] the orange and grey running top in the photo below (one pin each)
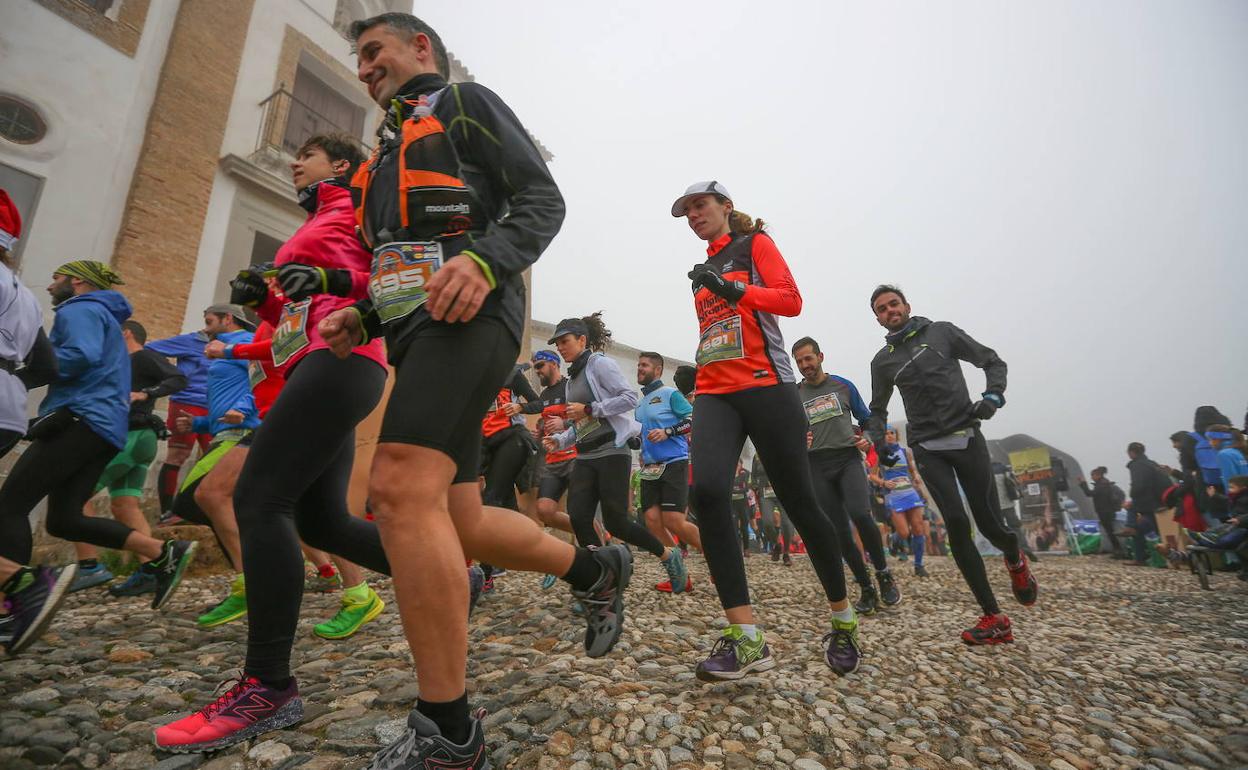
(740, 345)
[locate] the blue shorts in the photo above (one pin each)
(903, 500)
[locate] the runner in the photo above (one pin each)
(152, 377)
(832, 403)
(506, 443)
(775, 521)
(665, 417)
(746, 388)
(187, 350)
(557, 469)
(741, 506)
(466, 319)
(905, 503)
(598, 423)
(921, 359)
(81, 425)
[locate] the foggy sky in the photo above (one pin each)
(1068, 182)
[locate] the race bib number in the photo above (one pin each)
(585, 426)
(901, 485)
(823, 407)
(255, 374)
(291, 334)
(721, 342)
(653, 471)
(401, 270)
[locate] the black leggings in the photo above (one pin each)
(294, 486)
(741, 510)
(774, 419)
(944, 470)
(507, 453)
(64, 468)
(604, 481)
(8, 440)
(779, 533)
(841, 486)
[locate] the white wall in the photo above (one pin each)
(96, 101)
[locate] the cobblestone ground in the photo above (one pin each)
(1116, 667)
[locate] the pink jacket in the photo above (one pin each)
(327, 240)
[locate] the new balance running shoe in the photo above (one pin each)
(476, 586)
(666, 586)
(1024, 584)
(34, 602)
(842, 651)
(230, 609)
(90, 577)
(353, 614)
(175, 557)
(677, 575)
(249, 708)
(603, 604)
(868, 601)
(991, 629)
(890, 594)
(735, 656)
(140, 582)
(422, 747)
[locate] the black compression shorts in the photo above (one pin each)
(670, 491)
(555, 479)
(446, 380)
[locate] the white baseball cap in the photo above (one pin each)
(696, 189)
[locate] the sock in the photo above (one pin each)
(450, 717)
(357, 594)
(749, 629)
(327, 570)
(585, 571)
(846, 615)
(918, 544)
(488, 569)
(88, 563)
(167, 485)
(20, 579)
(165, 551)
(277, 684)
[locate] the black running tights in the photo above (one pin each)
(774, 419)
(507, 453)
(63, 468)
(841, 486)
(294, 486)
(604, 481)
(943, 471)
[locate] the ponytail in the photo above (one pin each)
(741, 222)
(599, 335)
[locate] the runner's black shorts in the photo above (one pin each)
(670, 491)
(555, 479)
(446, 380)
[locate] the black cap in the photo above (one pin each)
(569, 326)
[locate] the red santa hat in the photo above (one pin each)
(10, 222)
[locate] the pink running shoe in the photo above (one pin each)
(248, 709)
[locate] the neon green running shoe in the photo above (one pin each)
(734, 656)
(350, 617)
(231, 608)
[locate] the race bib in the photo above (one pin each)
(255, 374)
(653, 471)
(585, 426)
(901, 485)
(291, 334)
(400, 272)
(823, 407)
(721, 342)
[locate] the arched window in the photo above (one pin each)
(20, 122)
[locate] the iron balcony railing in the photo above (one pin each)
(287, 123)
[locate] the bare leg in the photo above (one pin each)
(654, 523)
(678, 522)
(549, 514)
(215, 495)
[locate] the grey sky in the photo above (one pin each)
(1066, 181)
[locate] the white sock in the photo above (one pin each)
(749, 629)
(846, 615)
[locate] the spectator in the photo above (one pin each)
(1107, 499)
(1229, 444)
(1234, 532)
(1148, 481)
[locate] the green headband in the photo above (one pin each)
(95, 273)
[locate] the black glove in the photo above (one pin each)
(302, 281)
(708, 276)
(886, 456)
(987, 406)
(249, 288)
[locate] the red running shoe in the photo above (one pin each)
(247, 710)
(666, 586)
(991, 629)
(1026, 589)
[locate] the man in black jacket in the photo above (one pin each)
(1107, 498)
(1148, 481)
(921, 359)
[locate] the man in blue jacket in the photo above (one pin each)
(82, 424)
(665, 416)
(187, 351)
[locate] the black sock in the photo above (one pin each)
(584, 572)
(450, 717)
(88, 563)
(277, 684)
(162, 560)
(17, 581)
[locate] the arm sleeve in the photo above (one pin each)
(84, 343)
(170, 346)
(252, 351)
(171, 380)
(521, 387)
(40, 363)
(201, 425)
(496, 143)
(369, 320)
(532, 407)
(619, 398)
(1083, 485)
(881, 394)
(967, 349)
(271, 309)
(856, 405)
(680, 405)
(779, 293)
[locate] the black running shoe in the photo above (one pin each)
(603, 605)
(920, 571)
(868, 602)
(890, 594)
(175, 557)
(31, 607)
(422, 747)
